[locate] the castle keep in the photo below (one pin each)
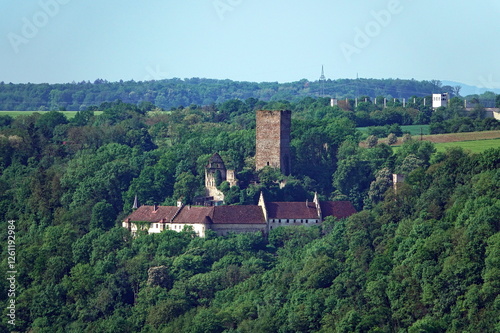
(272, 146)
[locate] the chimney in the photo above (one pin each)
(155, 208)
(179, 203)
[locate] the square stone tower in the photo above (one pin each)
(272, 147)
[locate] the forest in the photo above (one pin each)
(421, 257)
(171, 93)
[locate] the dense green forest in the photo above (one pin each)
(176, 92)
(423, 258)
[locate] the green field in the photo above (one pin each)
(413, 129)
(68, 114)
(477, 146)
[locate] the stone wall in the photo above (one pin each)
(275, 223)
(226, 228)
(272, 146)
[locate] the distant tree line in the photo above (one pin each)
(172, 93)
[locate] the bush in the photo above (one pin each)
(392, 139)
(372, 141)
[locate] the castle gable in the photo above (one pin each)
(216, 162)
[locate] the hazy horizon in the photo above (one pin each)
(61, 41)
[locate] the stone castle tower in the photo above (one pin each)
(216, 171)
(272, 146)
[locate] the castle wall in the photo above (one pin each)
(223, 229)
(231, 178)
(157, 227)
(275, 223)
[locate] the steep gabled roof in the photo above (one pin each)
(248, 214)
(190, 214)
(148, 214)
(215, 158)
(291, 210)
(339, 209)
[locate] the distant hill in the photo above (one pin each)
(172, 93)
(468, 89)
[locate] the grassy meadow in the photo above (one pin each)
(475, 142)
(477, 146)
(412, 129)
(68, 114)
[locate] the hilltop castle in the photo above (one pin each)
(235, 219)
(272, 149)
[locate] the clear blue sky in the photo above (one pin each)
(249, 40)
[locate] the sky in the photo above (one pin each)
(60, 41)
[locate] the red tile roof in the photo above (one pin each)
(148, 214)
(291, 210)
(247, 214)
(339, 209)
(190, 214)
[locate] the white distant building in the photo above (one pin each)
(439, 100)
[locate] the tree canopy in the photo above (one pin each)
(419, 256)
